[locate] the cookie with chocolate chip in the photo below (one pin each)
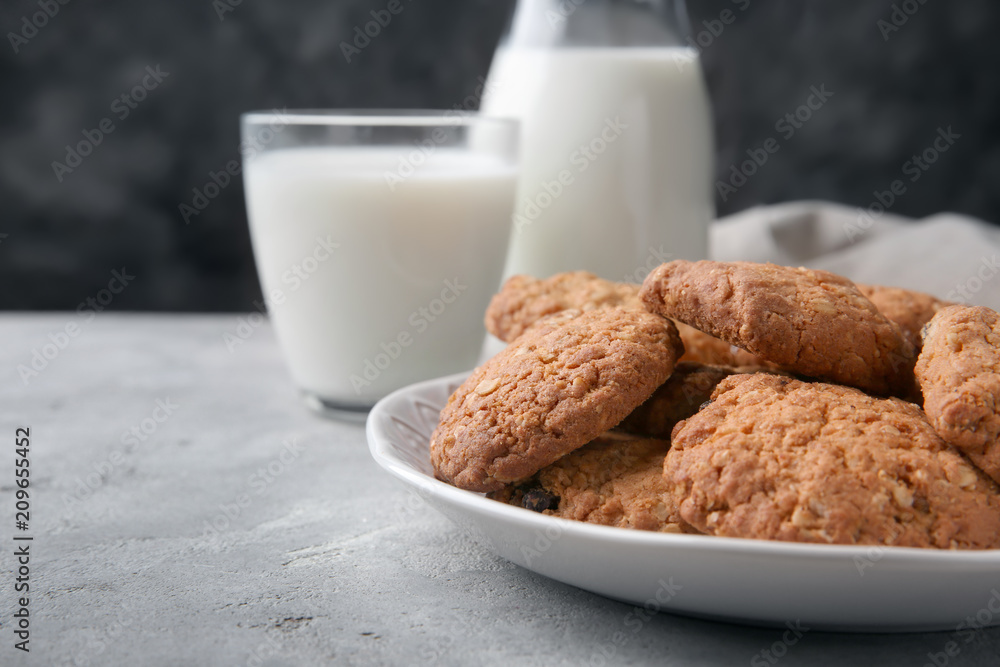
(616, 480)
(555, 388)
(775, 458)
(959, 375)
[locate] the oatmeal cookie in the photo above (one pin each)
(910, 310)
(812, 323)
(524, 300)
(959, 374)
(675, 400)
(554, 389)
(775, 458)
(702, 348)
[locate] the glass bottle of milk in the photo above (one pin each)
(616, 141)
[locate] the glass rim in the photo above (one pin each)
(375, 117)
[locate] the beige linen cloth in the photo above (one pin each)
(950, 256)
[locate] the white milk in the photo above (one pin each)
(629, 131)
(370, 289)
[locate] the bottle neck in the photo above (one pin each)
(598, 23)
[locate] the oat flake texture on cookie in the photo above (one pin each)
(558, 386)
(810, 322)
(780, 459)
(523, 301)
(959, 375)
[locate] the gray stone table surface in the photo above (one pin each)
(188, 510)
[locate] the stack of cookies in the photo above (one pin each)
(739, 400)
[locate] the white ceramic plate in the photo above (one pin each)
(749, 581)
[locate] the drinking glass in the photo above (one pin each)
(379, 238)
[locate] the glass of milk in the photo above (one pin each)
(379, 239)
(616, 135)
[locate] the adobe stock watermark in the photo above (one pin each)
(415, 499)
(655, 257)
(293, 279)
(419, 321)
(422, 151)
(364, 34)
(876, 552)
(914, 168)
(121, 108)
(258, 484)
(779, 649)
(898, 17)
(59, 340)
(109, 633)
(220, 180)
(413, 503)
(713, 28)
(544, 539)
(223, 7)
(32, 23)
(558, 12)
(131, 439)
(786, 126)
(584, 156)
(964, 292)
(635, 621)
(966, 632)
(459, 625)
(267, 649)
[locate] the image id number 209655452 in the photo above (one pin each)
(21, 622)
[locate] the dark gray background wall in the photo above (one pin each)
(892, 90)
